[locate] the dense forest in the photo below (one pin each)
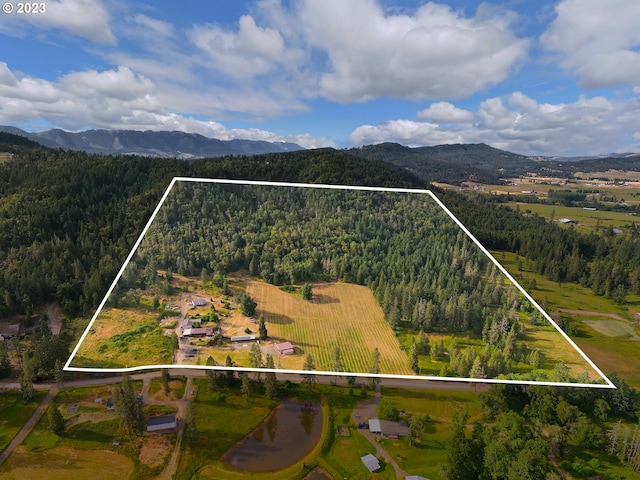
(420, 266)
(68, 219)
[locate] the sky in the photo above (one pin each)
(532, 77)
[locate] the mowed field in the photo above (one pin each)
(339, 314)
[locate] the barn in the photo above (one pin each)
(243, 338)
(285, 348)
(161, 423)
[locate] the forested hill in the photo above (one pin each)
(149, 143)
(453, 163)
(481, 163)
(68, 219)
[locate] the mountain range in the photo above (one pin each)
(150, 143)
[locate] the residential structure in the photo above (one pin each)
(161, 423)
(371, 462)
(285, 348)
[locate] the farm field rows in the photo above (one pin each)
(340, 314)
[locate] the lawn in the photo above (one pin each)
(14, 414)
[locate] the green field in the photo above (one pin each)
(610, 354)
(14, 414)
(340, 314)
(587, 219)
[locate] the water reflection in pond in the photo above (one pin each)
(285, 437)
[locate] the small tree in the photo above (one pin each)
(212, 375)
(247, 304)
(307, 291)
(308, 378)
(375, 367)
(262, 329)
(270, 381)
(54, 419)
(165, 380)
(246, 386)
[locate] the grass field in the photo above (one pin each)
(610, 354)
(14, 414)
(124, 337)
(587, 219)
(339, 314)
(613, 328)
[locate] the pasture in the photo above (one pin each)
(339, 314)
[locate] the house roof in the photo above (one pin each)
(415, 477)
(393, 428)
(371, 462)
(163, 420)
(12, 330)
(284, 346)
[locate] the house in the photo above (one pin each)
(371, 462)
(198, 302)
(198, 332)
(11, 331)
(161, 423)
(285, 348)
(186, 323)
(243, 338)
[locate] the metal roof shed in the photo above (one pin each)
(374, 425)
(161, 423)
(371, 462)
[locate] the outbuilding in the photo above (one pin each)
(161, 423)
(243, 338)
(371, 462)
(285, 348)
(374, 426)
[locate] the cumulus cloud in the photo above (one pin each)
(88, 19)
(249, 52)
(113, 99)
(445, 112)
(434, 53)
(518, 123)
(598, 45)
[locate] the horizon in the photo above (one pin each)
(553, 78)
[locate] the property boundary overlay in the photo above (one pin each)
(69, 368)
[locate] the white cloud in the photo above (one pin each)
(518, 123)
(597, 42)
(434, 53)
(249, 52)
(115, 99)
(157, 26)
(88, 19)
(445, 112)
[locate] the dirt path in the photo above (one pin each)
(55, 316)
(363, 412)
(587, 313)
(27, 427)
(172, 466)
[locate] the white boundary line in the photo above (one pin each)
(68, 367)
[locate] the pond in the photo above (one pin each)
(284, 438)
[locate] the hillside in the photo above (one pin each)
(152, 144)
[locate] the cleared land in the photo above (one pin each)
(339, 314)
(613, 328)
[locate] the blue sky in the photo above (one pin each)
(547, 78)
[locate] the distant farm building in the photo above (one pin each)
(243, 338)
(567, 221)
(198, 332)
(285, 348)
(186, 323)
(11, 331)
(161, 423)
(374, 426)
(371, 462)
(198, 302)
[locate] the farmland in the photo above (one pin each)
(340, 314)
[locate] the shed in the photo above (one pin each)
(110, 403)
(374, 425)
(415, 477)
(285, 348)
(389, 428)
(243, 338)
(371, 462)
(161, 423)
(10, 331)
(198, 302)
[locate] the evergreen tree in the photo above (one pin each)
(262, 329)
(128, 408)
(166, 378)
(26, 379)
(212, 379)
(55, 420)
(336, 359)
(270, 380)
(5, 363)
(307, 291)
(191, 426)
(375, 367)
(309, 379)
(245, 386)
